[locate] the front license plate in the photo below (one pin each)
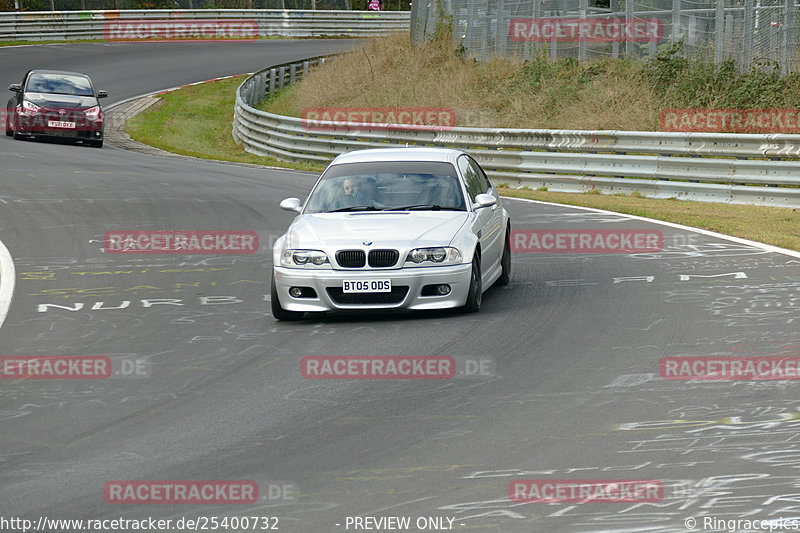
(372, 285)
(60, 124)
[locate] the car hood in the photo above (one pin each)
(400, 230)
(66, 101)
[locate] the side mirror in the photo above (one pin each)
(102, 94)
(484, 200)
(15, 87)
(291, 204)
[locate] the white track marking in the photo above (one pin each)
(7, 278)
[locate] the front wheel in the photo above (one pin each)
(279, 312)
(505, 262)
(475, 296)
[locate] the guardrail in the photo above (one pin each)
(67, 25)
(735, 168)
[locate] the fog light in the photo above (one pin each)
(302, 292)
(443, 289)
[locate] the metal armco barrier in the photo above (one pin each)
(66, 25)
(735, 168)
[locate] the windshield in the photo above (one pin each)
(387, 186)
(60, 84)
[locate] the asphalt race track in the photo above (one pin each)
(567, 385)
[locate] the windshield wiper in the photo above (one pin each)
(354, 208)
(423, 207)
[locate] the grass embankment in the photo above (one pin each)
(498, 93)
(605, 94)
(197, 121)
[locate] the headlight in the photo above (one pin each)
(29, 108)
(94, 114)
(305, 259)
(445, 255)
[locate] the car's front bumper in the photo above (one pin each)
(328, 285)
(37, 125)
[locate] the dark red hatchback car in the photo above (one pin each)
(54, 103)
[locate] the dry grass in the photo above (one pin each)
(389, 72)
(380, 75)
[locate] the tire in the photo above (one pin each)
(9, 131)
(505, 262)
(475, 296)
(96, 144)
(279, 312)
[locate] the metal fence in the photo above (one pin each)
(67, 25)
(736, 168)
(82, 5)
(745, 30)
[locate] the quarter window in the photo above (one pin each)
(478, 170)
(474, 178)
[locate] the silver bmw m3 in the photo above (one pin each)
(397, 228)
